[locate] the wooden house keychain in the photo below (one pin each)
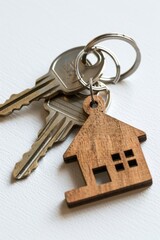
(107, 145)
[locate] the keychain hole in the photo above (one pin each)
(93, 104)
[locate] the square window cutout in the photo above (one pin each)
(116, 157)
(119, 167)
(129, 153)
(133, 163)
(101, 175)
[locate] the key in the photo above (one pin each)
(64, 113)
(60, 78)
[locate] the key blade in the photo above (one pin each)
(60, 78)
(65, 132)
(17, 101)
(30, 159)
(65, 112)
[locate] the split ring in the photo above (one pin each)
(96, 49)
(110, 36)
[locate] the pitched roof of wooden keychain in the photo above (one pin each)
(109, 146)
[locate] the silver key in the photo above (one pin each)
(64, 113)
(60, 78)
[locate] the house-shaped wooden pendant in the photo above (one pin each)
(109, 146)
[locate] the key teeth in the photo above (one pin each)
(4, 106)
(17, 170)
(13, 95)
(38, 150)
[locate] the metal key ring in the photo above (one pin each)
(96, 49)
(110, 36)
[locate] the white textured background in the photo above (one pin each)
(32, 34)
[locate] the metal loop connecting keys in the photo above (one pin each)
(90, 47)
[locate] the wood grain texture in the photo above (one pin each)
(106, 145)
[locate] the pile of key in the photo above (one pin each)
(64, 89)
